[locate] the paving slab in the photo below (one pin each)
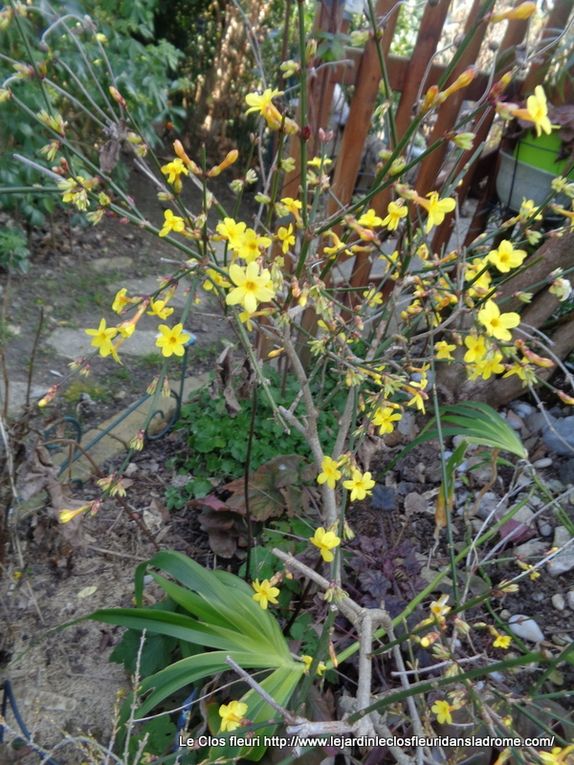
(124, 426)
(17, 395)
(72, 343)
(109, 265)
(146, 285)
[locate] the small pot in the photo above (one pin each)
(529, 172)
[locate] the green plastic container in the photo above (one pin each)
(541, 152)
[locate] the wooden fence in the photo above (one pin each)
(411, 78)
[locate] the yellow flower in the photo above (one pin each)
(102, 339)
(438, 608)
(232, 715)
(160, 309)
(330, 472)
(558, 755)
(360, 485)
(286, 237)
(486, 367)
(384, 419)
(252, 286)
(501, 641)
(395, 211)
(265, 593)
(231, 230)
(442, 710)
(248, 245)
(436, 208)
(290, 205)
(477, 348)
(536, 111)
(325, 541)
(464, 141)
(171, 222)
(443, 350)
(505, 257)
(172, 340)
(65, 516)
(523, 11)
(214, 278)
(370, 219)
(121, 300)
(173, 170)
(497, 324)
(480, 283)
(308, 660)
(263, 103)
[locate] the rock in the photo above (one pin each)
(558, 602)
(522, 408)
(481, 470)
(545, 528)
(415, 503)
(534, 548)
(570, 599)
(564, 560)
(526, 628)
(505, 614)
(535, 422)
(562, 638)
(515, 422)
(490, 502)
(407, 425)
(558, 435)
(542, 463)
(566, 472)
(384, 498)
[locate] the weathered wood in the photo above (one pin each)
(555, 26)
(419, 70)
(448, 112)
(515, 33)
(361, 112)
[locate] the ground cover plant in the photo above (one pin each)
(325, 626)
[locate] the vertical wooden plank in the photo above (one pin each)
(515, 33)
(361, 112)
(428, 37)
(557, 22)
(448, 112)
(328, 18)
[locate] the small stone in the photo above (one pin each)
(566, 472)
(561, 638)
(558, 602)
(505, 614)
(564, 560)
(558, 435)
(131, 469)
(384, 498)
(489, 503)
(542, 463)
(414, 503)
(570, 599)
(545, 528)
(407, 425)
(532, 549)
(538, 597)
(515, 422)
(522, 408)
(535, 422)
(526, 628)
